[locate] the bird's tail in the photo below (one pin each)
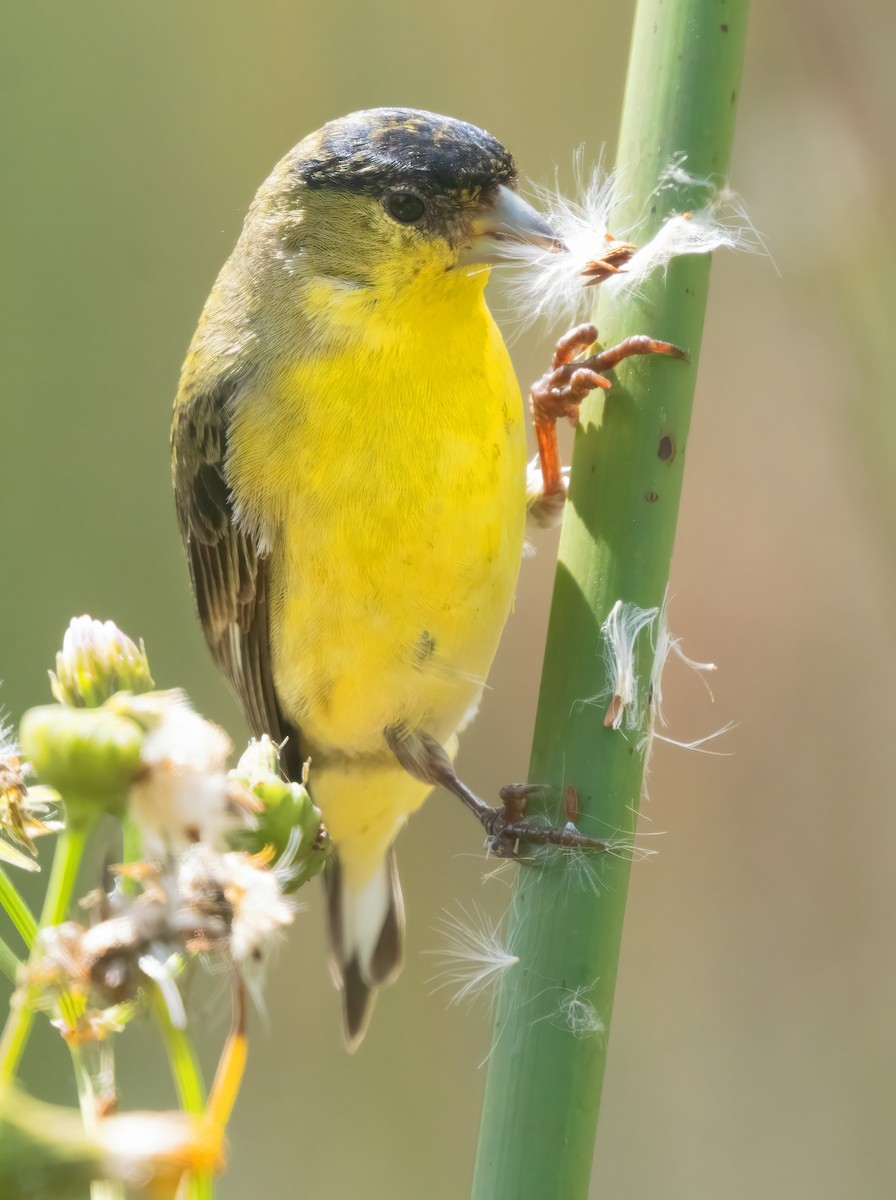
(366, 924)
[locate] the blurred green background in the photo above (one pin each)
(753, 1048)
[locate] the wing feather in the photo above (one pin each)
(231, 580)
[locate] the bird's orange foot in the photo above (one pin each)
(560, 392)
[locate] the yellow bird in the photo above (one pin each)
(349, 466)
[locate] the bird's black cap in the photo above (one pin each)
(379, 148)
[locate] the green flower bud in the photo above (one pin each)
(96, 661)
(90, 756)
(288, 821)
(259, 762)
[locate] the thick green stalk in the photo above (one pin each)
(553, 1011)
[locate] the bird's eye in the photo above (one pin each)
(406, 207)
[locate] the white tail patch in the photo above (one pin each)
(364, 911)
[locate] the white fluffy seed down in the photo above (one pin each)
(183, 794)
(551, 285)
(256, 909)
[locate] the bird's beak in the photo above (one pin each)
(503, 222)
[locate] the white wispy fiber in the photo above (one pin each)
(584, 869)
(665, 644)
(553, 285)
(621, 630)
(573, 1013)
(579, 1015)
(625, 701)
(473, 957)
(699, 744)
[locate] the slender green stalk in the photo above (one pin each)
(9, 964)
(131, 851)
(553, 1010)
(18, 911)
(188, 1081)
(185, 1069)
(100, 1189)
(64, 873)
(61, 884)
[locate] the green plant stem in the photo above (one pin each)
(100, 1189)
(131, 851)
(553, 1008)
(63, 875)
(188, 1081)
(18, 911)
(9, 964)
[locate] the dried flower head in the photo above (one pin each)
(230, 906)
(237, 900)
(183, 794)
(23, 810)
(100, 968)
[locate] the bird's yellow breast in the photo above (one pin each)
(391, 476)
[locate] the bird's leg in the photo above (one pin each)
(424, 758)
(560, 392)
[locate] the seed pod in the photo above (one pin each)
(90, 756)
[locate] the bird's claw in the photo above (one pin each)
(560, 392)
(507, 826)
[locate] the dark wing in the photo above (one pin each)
(230, 579)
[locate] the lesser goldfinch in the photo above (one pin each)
(349, 466)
